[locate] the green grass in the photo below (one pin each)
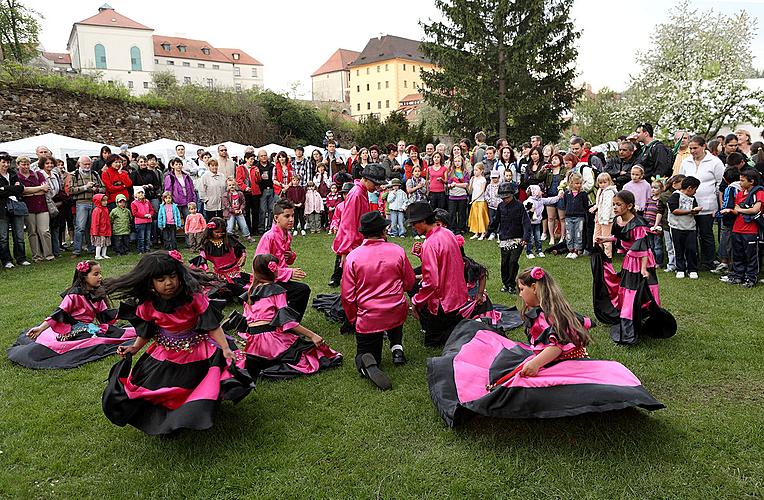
(333, 435)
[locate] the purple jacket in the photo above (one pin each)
(172, 184)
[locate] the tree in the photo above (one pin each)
(19, 30)
(597, 117)
(504, 66)
(693, 77)
(371, 130)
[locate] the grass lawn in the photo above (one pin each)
(333, 435)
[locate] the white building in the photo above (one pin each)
(331, 82)
(125, 51)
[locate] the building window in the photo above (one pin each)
(358, 106)
(135, 58)
(254, 73)
(238, 87)
(186, 64)
(367, 87)
(387, 67)
(205, 51)
(379, 68)
(379, 104)
(237, 71)
(387, 84)
(405, 84)
(156, 61)
(358, 72)
(404, 67)
(200, 65)
(145, 85)
(357, 88)
(379, 85)
(215, 66)
(100, 56)
(210, 83)
(130, 84)
(367, 71)
(420, 69)
(166, 47)
(182, 48)
(187, 80)
(236, 56)
(387, 103)
(368, 105)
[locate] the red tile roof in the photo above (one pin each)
(193, 49)
(110, 17)
(413, 97)
(338, 61)
(244, 58)
(58, 57)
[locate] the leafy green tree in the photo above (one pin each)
(19, 31)
(505, 66)
(597, 117)
(371, 130)
(693, 76)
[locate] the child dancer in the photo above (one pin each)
(195, 228)
(189, 367)
(314, 208)
(478, 220)
(576, 204)
(81, 330)
(227, 255)
(234, 207)
(630, 231)
(603, 210)
(549, 377)
(639, 187)
(296, 194)
(120, 225)
(143, 214)
(100, 226)
(168, 220)
(272, 331)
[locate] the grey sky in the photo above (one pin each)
(293, 38)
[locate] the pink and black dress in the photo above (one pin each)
(622, 299)
(477, 374)
(81, 330)
(180, 380)
(287, 354)
(225, 265)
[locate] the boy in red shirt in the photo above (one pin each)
(745, 231)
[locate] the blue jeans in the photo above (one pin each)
(396, 223)
(240, 221)
(82, 228)
(574, 229)
(143, 239)
(267, 200)
(656, 243)
(16, 225)
(535, 238)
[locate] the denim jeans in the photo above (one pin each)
(242, 223)
(656, 243)
(267, 200)
(16, 225)
(574, 229)
(725, 243)
(169, 237)
(143, 239)
(396, 223)
(535, 238)
(154, 222)
(82, 228)
(670, 255)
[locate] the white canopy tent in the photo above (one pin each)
(309, 151)
(234, 148)
(275, 148)
(60, 145)
(165, 149)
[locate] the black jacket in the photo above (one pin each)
(141, 177)
(511, 221)
(656, 159)
(616, 165)
(576, 206)
(8, 188)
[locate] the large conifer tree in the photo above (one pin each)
(506, 66)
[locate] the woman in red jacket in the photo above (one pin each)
(116, 180)
(282, 173)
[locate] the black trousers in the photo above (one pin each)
(745, 257)
(299, 217)
(298, 295)
(458, 211)
(588, 231)
(439, 200)
(121, 243)
(209, 214)
(707, 245)
(372, 343)
(685, 249)
(337, 273)
(252, 212)
(510, 265)
(437, 327)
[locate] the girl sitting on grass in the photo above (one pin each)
(227, 255)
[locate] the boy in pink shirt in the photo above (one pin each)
(375, 279)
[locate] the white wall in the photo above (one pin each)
(330, 86)
(246, 79)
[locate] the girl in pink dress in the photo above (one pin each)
(188, 368)
(81, 330)
(227, 256)
(272, 332)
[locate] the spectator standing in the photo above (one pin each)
(11, 190)
(268, 198)
(211, 189)
(38, 219)
(226, 166)
(248, 181)
(655, 157)
(180, 185)
(55, 182)
(83, 183)
(100, 163)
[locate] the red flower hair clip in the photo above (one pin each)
(175, 255)
(460, 240)
(211, 225)
(83, 266)
(273, 266)
(537, 273)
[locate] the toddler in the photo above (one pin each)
(168, 220)
(234, 206)
(143, 214)
(314, 208)
(100, 226)
(195, 227)
(603, 210)
(120, 225)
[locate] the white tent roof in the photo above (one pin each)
(60, 145)
(275, 148)
(309, 150)
(165, 149)
(234, 148)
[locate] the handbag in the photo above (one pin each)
(52, 208)
(17, 208)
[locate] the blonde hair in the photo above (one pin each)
(22, 159)
(575, 177)
(213, 161)
(478, 166)
(640, 169)
(604, 176)
(657, 184)
(166, 194)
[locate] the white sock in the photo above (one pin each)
(98, 252)
(103, 251)
(396, 346)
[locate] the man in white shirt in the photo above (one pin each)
(402, 155)
(226, 166)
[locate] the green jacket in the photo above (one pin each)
(120, 221)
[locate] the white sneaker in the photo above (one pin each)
(302, 232)
(530, 256)
(680, 274)
(492, 237)
(569, 256)
(98, 257)
(9, 265)
(543, 237)
(474, 236)
(574, 255)
(416, 237)
(693, 275)
(482, 237)
(294, 233)
(26, 263)
(541, 254)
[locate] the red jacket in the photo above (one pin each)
(100, 224)
(116, 182)
(278, 175)
(254, 179)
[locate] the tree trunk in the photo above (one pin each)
(502, 92)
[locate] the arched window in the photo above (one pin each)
(135, 58)
(100, 56)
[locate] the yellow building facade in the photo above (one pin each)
(388, 69)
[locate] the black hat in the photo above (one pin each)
(372, 223)
(443, 216)
(419, 211)
(374, 172)
(346, 187)
(505, 189)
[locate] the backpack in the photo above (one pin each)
(602, 158)
(749, 202)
